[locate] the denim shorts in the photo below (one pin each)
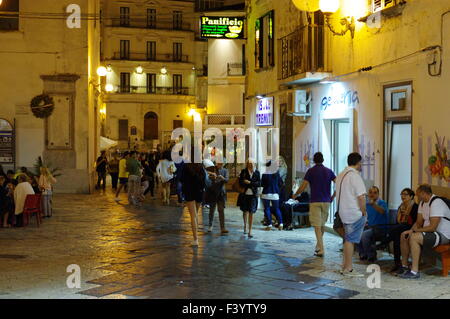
(353, 232)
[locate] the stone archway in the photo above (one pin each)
(151, 126)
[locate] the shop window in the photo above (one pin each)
(264, 41)
(9, 17)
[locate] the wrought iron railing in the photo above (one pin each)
(138, 56)
(153, 90)
(140, 23)
(224, 119)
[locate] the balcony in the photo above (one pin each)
(301, 55)
(135, 23)
(218, 120)
(153, 90)
(235, 69)
(135, 56)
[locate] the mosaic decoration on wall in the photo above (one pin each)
(307, 151)
(439, 162)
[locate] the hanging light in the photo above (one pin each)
(307, 5)
(329, 6)
(102, 71)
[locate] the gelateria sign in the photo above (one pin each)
(264, 112)
(222, 27)
(348, 98)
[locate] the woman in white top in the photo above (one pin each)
(165, 170)
(46, 181)
(23, 189)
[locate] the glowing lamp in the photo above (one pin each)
(109, 87)
(307, 5)
(163, 70)
(102, 71)
(329, 6)
(139, 70)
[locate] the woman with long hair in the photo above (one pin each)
(250, 180)
(46, 181)
(165, 170)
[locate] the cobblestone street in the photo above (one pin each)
(125, 252)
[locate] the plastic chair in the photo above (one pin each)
(32, 206)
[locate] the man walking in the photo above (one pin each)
(216, 194)
(134, 179)
(123, 174)
(101, 167)
(319, 178)
(352, 209)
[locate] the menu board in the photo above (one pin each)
(6, 147)
(222, 27)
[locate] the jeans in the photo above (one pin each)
(114, 179)
(367, 247)
(267, 211)
(212, 210)
(47, 210)
(101, 177)
(134, 189)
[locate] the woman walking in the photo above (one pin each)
(193, 179)
(248, 201)
(165, 170)
(271, 182)
(46, 181)
(113, 169)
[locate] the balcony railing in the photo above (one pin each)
(225, 120)
(301, 51)
(235, 69)
(149, 24)
(135, 56)
(160, 90)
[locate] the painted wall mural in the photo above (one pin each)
(434, 159)
(306, 152)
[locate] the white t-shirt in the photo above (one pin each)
(352, 187)
(165, 170)
(438, 209)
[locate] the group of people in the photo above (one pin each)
(14, 189)
(362, 218)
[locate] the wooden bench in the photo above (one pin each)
(444, 251)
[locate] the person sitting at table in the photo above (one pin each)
(300, 204)
(21, 192)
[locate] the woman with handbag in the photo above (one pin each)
(250, 180)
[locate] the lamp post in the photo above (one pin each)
(328, 7)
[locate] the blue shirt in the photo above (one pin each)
(319, 178)
(374, 217)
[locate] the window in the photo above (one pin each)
(123, 130)
(151, 50)
(177, 20)
(124, 16)
(177, 52)
(124, 82)
(378, 5)
(151, 18)
(151, 83)
(124, 49)
(9, 18)
(177, 84)
(264, 41)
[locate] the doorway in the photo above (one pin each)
(151, 126)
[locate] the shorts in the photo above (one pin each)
(194, 196)
(353, 232)
(431, 240)
(248, 203)
(123, 180)
(318, 214)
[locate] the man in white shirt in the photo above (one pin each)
(351, 192)
(431, 229)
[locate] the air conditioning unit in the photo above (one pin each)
(301, 103)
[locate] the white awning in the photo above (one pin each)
(106, 143)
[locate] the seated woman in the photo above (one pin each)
(6, 202)
(23, 189)
(406, 218)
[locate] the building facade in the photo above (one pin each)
(375, 83)
(153, 57)
(41, 54)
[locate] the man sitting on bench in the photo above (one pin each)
(431, 229)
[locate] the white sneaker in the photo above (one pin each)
(268, 227)
(195, 243)
(280, 227)
(351, 273)
(210, 229)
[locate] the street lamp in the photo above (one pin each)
(328, 7)
(109, 88)
(139, 70)
(102, 71)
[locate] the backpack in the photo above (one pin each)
(445, 200)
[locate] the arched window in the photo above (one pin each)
(151, 126)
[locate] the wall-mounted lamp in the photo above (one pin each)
(102, 71)
(328, 7)
(109, 68)
(109, 88)
(163, 70)
(193, 112)
(139, 70)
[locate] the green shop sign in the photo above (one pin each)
(222, 27)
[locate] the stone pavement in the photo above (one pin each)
(125, 252)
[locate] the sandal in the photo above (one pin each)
(318, 254)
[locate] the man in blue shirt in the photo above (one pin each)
(377, 219)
